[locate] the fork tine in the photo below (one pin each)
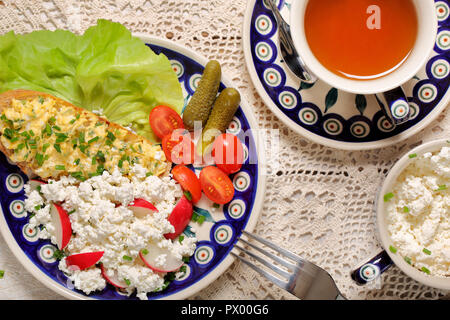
(287, 253)
(270, 277)
(270, 255)
(265, 262)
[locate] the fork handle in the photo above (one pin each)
(372, 269)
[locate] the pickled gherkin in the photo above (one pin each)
(222, 113)
(199, 107)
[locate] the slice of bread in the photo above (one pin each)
(30, 167)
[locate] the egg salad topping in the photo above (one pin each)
(55, 140)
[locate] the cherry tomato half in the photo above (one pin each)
(179, 148)
(216, 185)
(228, 153)
(188, 181)
(163, 120)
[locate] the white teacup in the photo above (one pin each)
(389, 83)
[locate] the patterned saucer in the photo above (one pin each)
(216, 228)
(333, 117)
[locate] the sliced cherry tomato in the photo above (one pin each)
(179, 148)
(163, 120)
(188, 181)
(216, 185)
(228, 153)
(180, 217)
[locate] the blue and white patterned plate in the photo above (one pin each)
(333, 117)
(216, 234)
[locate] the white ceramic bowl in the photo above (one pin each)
(427, 28)
(397, 169)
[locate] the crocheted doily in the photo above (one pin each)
(318, 201)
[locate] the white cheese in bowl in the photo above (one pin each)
(418, 212)
(101, 221)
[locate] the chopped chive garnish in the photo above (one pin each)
(81, 137)
(71, 211)
(60, 167)
(128, 258)
(8, 133)
(77, 175)
(57, 147)
(426, 251)
(58, 254)
(45, 146)
(188, 195)
(20, 146)
(93, 140)
(148, 174)
(61, 137)
(183, 269)
(77, 161)
(442, 187)
(99, 123)
(83, 147)
(111, 136)
(408, 260)
(31, 133)
(201, 219)
(38, 207)
(132, 149)
(52, 120)
(144, 251)
(120, 164)
(425, 270)
(56, 128)
(412, 155)
(216, 205)
(100, 169)
(128, 282)
(73, 121)
(2, 274)
(388, 196)
(405, 209)
(194, 216)
(39, 158)
(185, 259)
(41, 100)
(25, 134)
(180, 239)
(392, 249)
(48, 129)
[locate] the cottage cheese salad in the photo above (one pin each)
(418, 212)
(112, 229)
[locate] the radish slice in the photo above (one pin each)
(83, 260)
(35, 184)
(114, 280)
(61, 222)
(142, 207)
(179, 217)
(150, 259)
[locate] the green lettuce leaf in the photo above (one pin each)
(105, 69)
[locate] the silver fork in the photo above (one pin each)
(303, 279)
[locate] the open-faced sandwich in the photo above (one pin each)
(100, 193)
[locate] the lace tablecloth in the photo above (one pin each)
(319, 201)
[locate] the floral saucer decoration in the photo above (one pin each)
(333, 117)
(215, 228)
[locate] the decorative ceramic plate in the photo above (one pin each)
(333, 117)
(216, 234)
